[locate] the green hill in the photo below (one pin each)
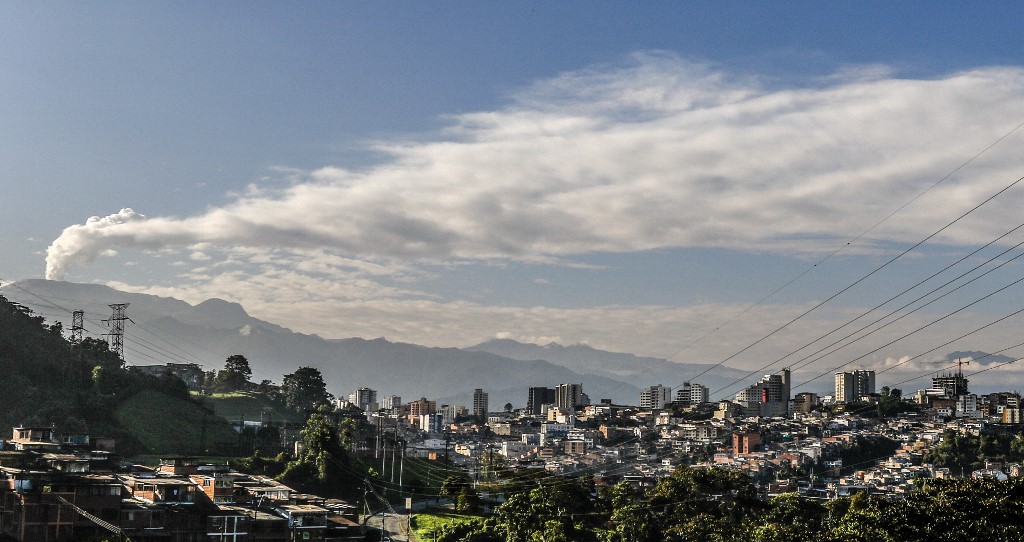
(45, 379)
(191, 430)
(249, 407)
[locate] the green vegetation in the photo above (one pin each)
(714, 505)
(433, 523)
(305, 390)
(322, 464)
(192, 429)
(235, 375)
(248, 405)
(86, 389)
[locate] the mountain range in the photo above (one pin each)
(165, 330)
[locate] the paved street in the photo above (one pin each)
(395, 526)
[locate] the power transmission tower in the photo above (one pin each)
(77, 319)
(116, 323)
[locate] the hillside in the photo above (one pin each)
(45, 380)
(247, 406)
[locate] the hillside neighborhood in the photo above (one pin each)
(63, 486)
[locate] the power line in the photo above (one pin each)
(862, 278)
(814, 356)
(843, 247)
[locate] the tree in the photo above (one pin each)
(452, 486)
(704, 504)
(958, 452)
(788, 517)
(322, 464)
(305, 390)
(235, 376)
(631, 519)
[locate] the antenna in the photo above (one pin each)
(116, 323)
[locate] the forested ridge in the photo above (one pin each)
(45, 379)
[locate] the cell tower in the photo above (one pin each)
(77, 319)
(116, 323)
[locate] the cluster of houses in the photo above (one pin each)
(776, 441)
(55, 487)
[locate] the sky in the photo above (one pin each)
(704, 182)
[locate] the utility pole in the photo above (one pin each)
(383, 463)
(447, 438)
(393, 446)
(401, 465)
(376, 449)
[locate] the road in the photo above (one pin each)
(395, 526)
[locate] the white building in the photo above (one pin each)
(432, 423)
(852, 386)
(363, 398)
(655, 397)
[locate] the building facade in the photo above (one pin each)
(655, 397)
(480, 404)
(852, 386)
(569, 396)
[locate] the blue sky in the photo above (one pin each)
(625, 174)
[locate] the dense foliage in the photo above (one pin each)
(715, 505)
(46, 379)
(305, 390)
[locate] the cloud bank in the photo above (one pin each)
(659, 152)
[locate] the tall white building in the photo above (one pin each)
(851, 386)
(692, 394)
(364, 398)
(699, 394)
(656, 396)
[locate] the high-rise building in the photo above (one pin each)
(769, 397)
(656, 396)
(952, 384)
(852, 386)
(699, 394)
(391, 402)
(364, 398)
(431, 423)
(539, 396)
(479, 404)
(692, 394)
(805, 402)
(421, 407)
(568, 396)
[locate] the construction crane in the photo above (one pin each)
(960, 365)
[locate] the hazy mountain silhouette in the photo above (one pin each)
(170, 330)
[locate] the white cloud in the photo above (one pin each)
(659, 153)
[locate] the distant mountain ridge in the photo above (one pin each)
(636, 370)
(171, 330)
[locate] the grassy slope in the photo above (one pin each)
(167, 425)
(239, 405)
(426, 524)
